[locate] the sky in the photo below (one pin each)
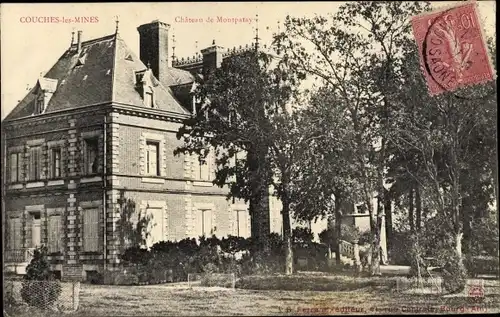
(29, 49)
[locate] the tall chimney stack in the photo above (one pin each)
(79, 41)
(153, 48)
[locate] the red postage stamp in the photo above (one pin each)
(452, 49)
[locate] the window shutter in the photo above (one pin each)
(90, 230)
(207, 222)
(13, 167)
(31, 164)
(198, 223)
(12, 234)
(55, 234)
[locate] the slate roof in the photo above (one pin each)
(103, 72)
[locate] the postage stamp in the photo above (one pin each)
(452, 48)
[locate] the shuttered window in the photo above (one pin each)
(15, 234)
(203, 223)
(242, 224)
(152, 158)
(91, 230)
(55, 163)
(54, 233)
(91, 156)
(156, 226)
(35, 163)
(206, 170)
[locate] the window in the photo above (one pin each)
(54, 231)
(204, 223)
(157, 226)
(15, 167)
(39, 104)
(91, 230)
(242, 223)
(91, 157)
(148, 100)
(55, 163)
(15, 234)
(205, 167)
(35, 163)
(152, 158)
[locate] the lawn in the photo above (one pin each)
(178, 299)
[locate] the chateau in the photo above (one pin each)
(99, 127)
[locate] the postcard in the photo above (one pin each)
(259, 158)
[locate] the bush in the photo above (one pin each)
(454, 274)
(39, 287)
(476, 265)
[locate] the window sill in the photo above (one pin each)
(16, 186)
(153, 180)
(55, 182)
(203, 183)
(35, 184)
(91, 179)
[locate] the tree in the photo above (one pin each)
(302, 236)
(450, 135)
(245, 108)
(340, 52)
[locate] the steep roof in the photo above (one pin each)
(103, 72)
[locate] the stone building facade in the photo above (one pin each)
(101, 126)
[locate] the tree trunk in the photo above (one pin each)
(287, 235)
(458, 245)
(375, 225)
(259, 200)
(338, 234)
(388, 219)
(410, 210)
(418, 210)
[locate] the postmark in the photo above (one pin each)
(452, 48)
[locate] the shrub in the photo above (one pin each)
(454, 274)
(39, 288)
(476, 265)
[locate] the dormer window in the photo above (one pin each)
(39, 104)
(145, 87)
(44, 91)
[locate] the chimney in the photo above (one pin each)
(212, 57)
(153, 48)
(79, 41)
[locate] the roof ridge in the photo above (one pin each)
(103, 38)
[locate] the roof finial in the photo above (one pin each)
(196, 46)
(117, 21)
(173, 47)
(149, 65)
(257, 31)
(213, 42)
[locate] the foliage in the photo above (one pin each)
(487, 241)
(454, 273)
(39, 288)
(135, 225)
(302, 236)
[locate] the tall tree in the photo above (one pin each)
(356, 53)
(245, 107)
(449, 133)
